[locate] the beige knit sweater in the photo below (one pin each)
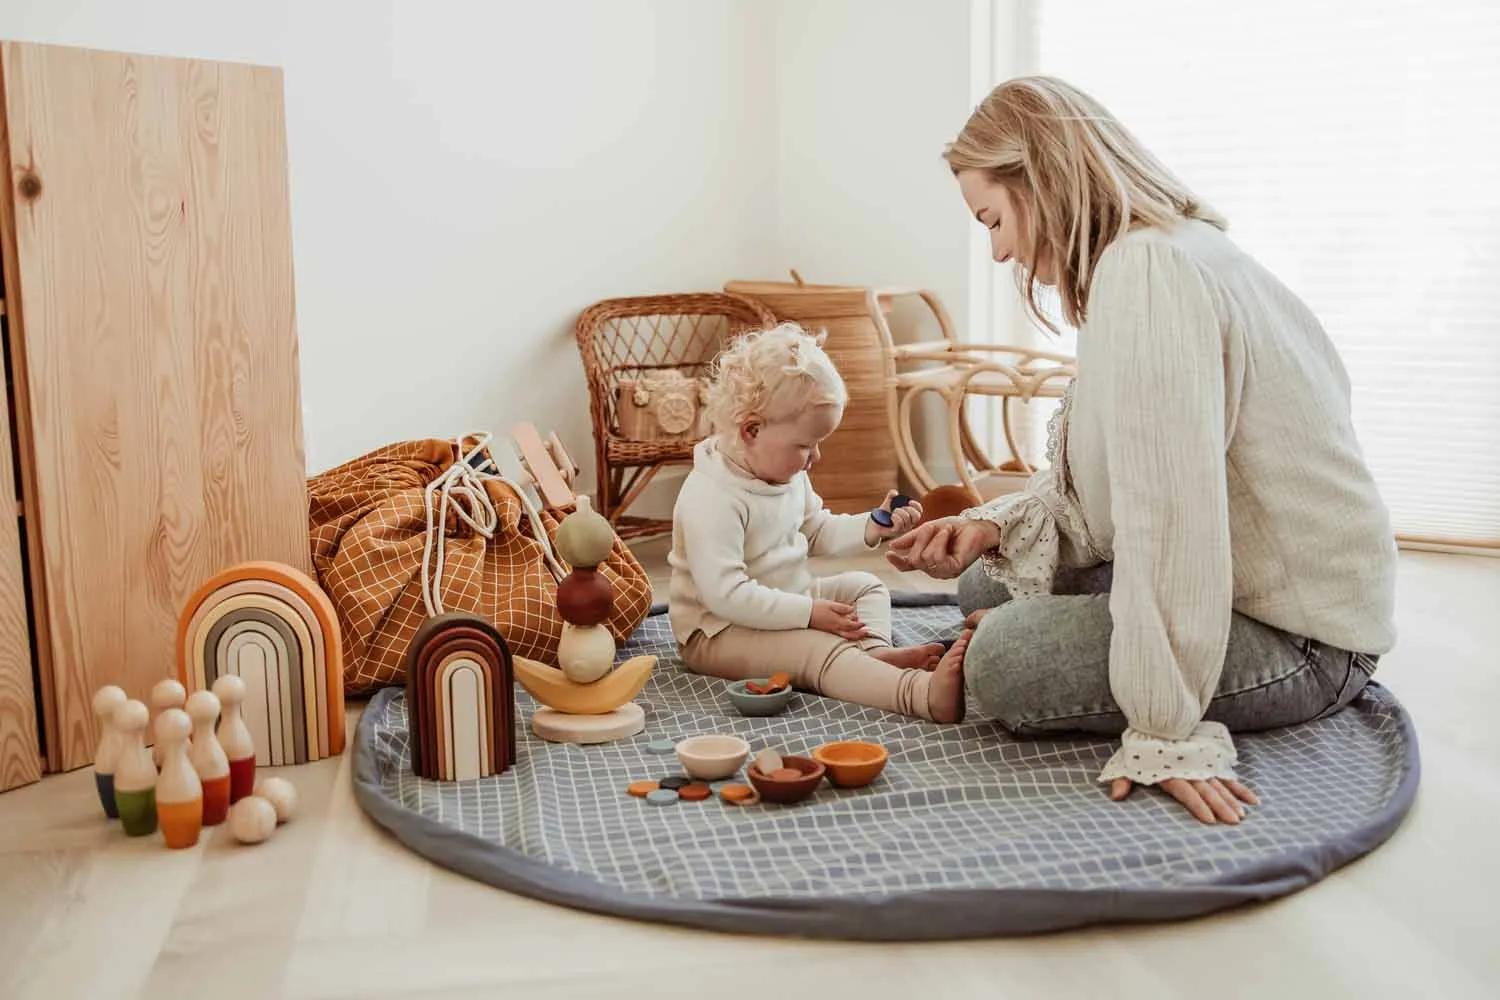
(1206, 448)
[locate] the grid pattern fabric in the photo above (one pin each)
(964, 807)
(368, 526)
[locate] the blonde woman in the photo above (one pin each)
(744, 601)
(1207, 551)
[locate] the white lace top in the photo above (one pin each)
(1206, 449)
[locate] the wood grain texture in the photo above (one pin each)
(20, 757)
(20, 761)
(158, 344)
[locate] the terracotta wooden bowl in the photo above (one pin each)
(787, 790)
(750, 704)
(711, 757)
(852, 763)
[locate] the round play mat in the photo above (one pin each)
(968, 832)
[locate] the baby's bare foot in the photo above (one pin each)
(945, 692)
(924, 657)
(975, 617)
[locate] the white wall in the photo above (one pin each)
(467, 176)
(868, 94)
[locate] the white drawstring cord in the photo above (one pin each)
(465, 481)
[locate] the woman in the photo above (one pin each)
(1207, 550)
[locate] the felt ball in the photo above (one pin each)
(282, 795)
(252, 819)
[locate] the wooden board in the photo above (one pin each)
(157, 365)
(20, 754)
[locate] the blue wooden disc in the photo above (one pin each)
(882, 517)
(661, 746)
(661, 797)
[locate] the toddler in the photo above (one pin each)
(743, 601)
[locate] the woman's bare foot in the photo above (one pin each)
(945, 692)
(923, 657)
(975, 617)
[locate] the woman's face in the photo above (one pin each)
(999, 211)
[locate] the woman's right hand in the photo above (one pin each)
(943, 548)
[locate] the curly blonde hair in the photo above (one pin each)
(772, 374)
(1084, 180)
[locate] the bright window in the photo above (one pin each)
(1353, 147)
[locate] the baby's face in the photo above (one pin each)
(777, 451)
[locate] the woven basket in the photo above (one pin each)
(859, 459)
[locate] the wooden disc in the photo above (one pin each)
(558, 727)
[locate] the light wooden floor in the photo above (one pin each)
(332, 907)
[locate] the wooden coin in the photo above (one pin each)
(785, 774)
(778, 682)
(696, 792)
(736, 793)
(641, 789)
(674, 781)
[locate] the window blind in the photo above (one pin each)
(1353, 148)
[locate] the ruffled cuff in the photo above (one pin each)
(1030, 543)
(1146, 760)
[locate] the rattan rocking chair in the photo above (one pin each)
(624, 339)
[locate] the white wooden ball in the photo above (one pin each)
(252, 819)
(585, 654)
(282, 795)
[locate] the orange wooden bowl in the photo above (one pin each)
(852, 763)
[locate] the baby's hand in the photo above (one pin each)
(903, 519)
(838, 619)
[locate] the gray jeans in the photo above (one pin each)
(1040, 665)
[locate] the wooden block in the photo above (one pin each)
(292, 597)
(543, 468)
(558, 727)
(440, 734)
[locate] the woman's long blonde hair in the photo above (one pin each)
(1081, 177)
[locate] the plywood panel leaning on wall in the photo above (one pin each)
(20, 759)
(146, 231)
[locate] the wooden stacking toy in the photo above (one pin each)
(235, 738)
(585, 699)
(164, 695)
(207, 756)
(179, 793)
(107, 755)
(460, 699)
(271, 626)
(135, 777)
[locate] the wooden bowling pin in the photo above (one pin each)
(135, 777)
(234, 737)
(107, 753)
(208, 758)
(179, 793)
(166, 694)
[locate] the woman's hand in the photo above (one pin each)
(943, 548)
(838, 619)
(1210, 801)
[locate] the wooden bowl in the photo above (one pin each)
(852, 763)
(788, 790)
(711, 757)
(747, 703)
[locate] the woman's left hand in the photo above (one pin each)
(1215, 800)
